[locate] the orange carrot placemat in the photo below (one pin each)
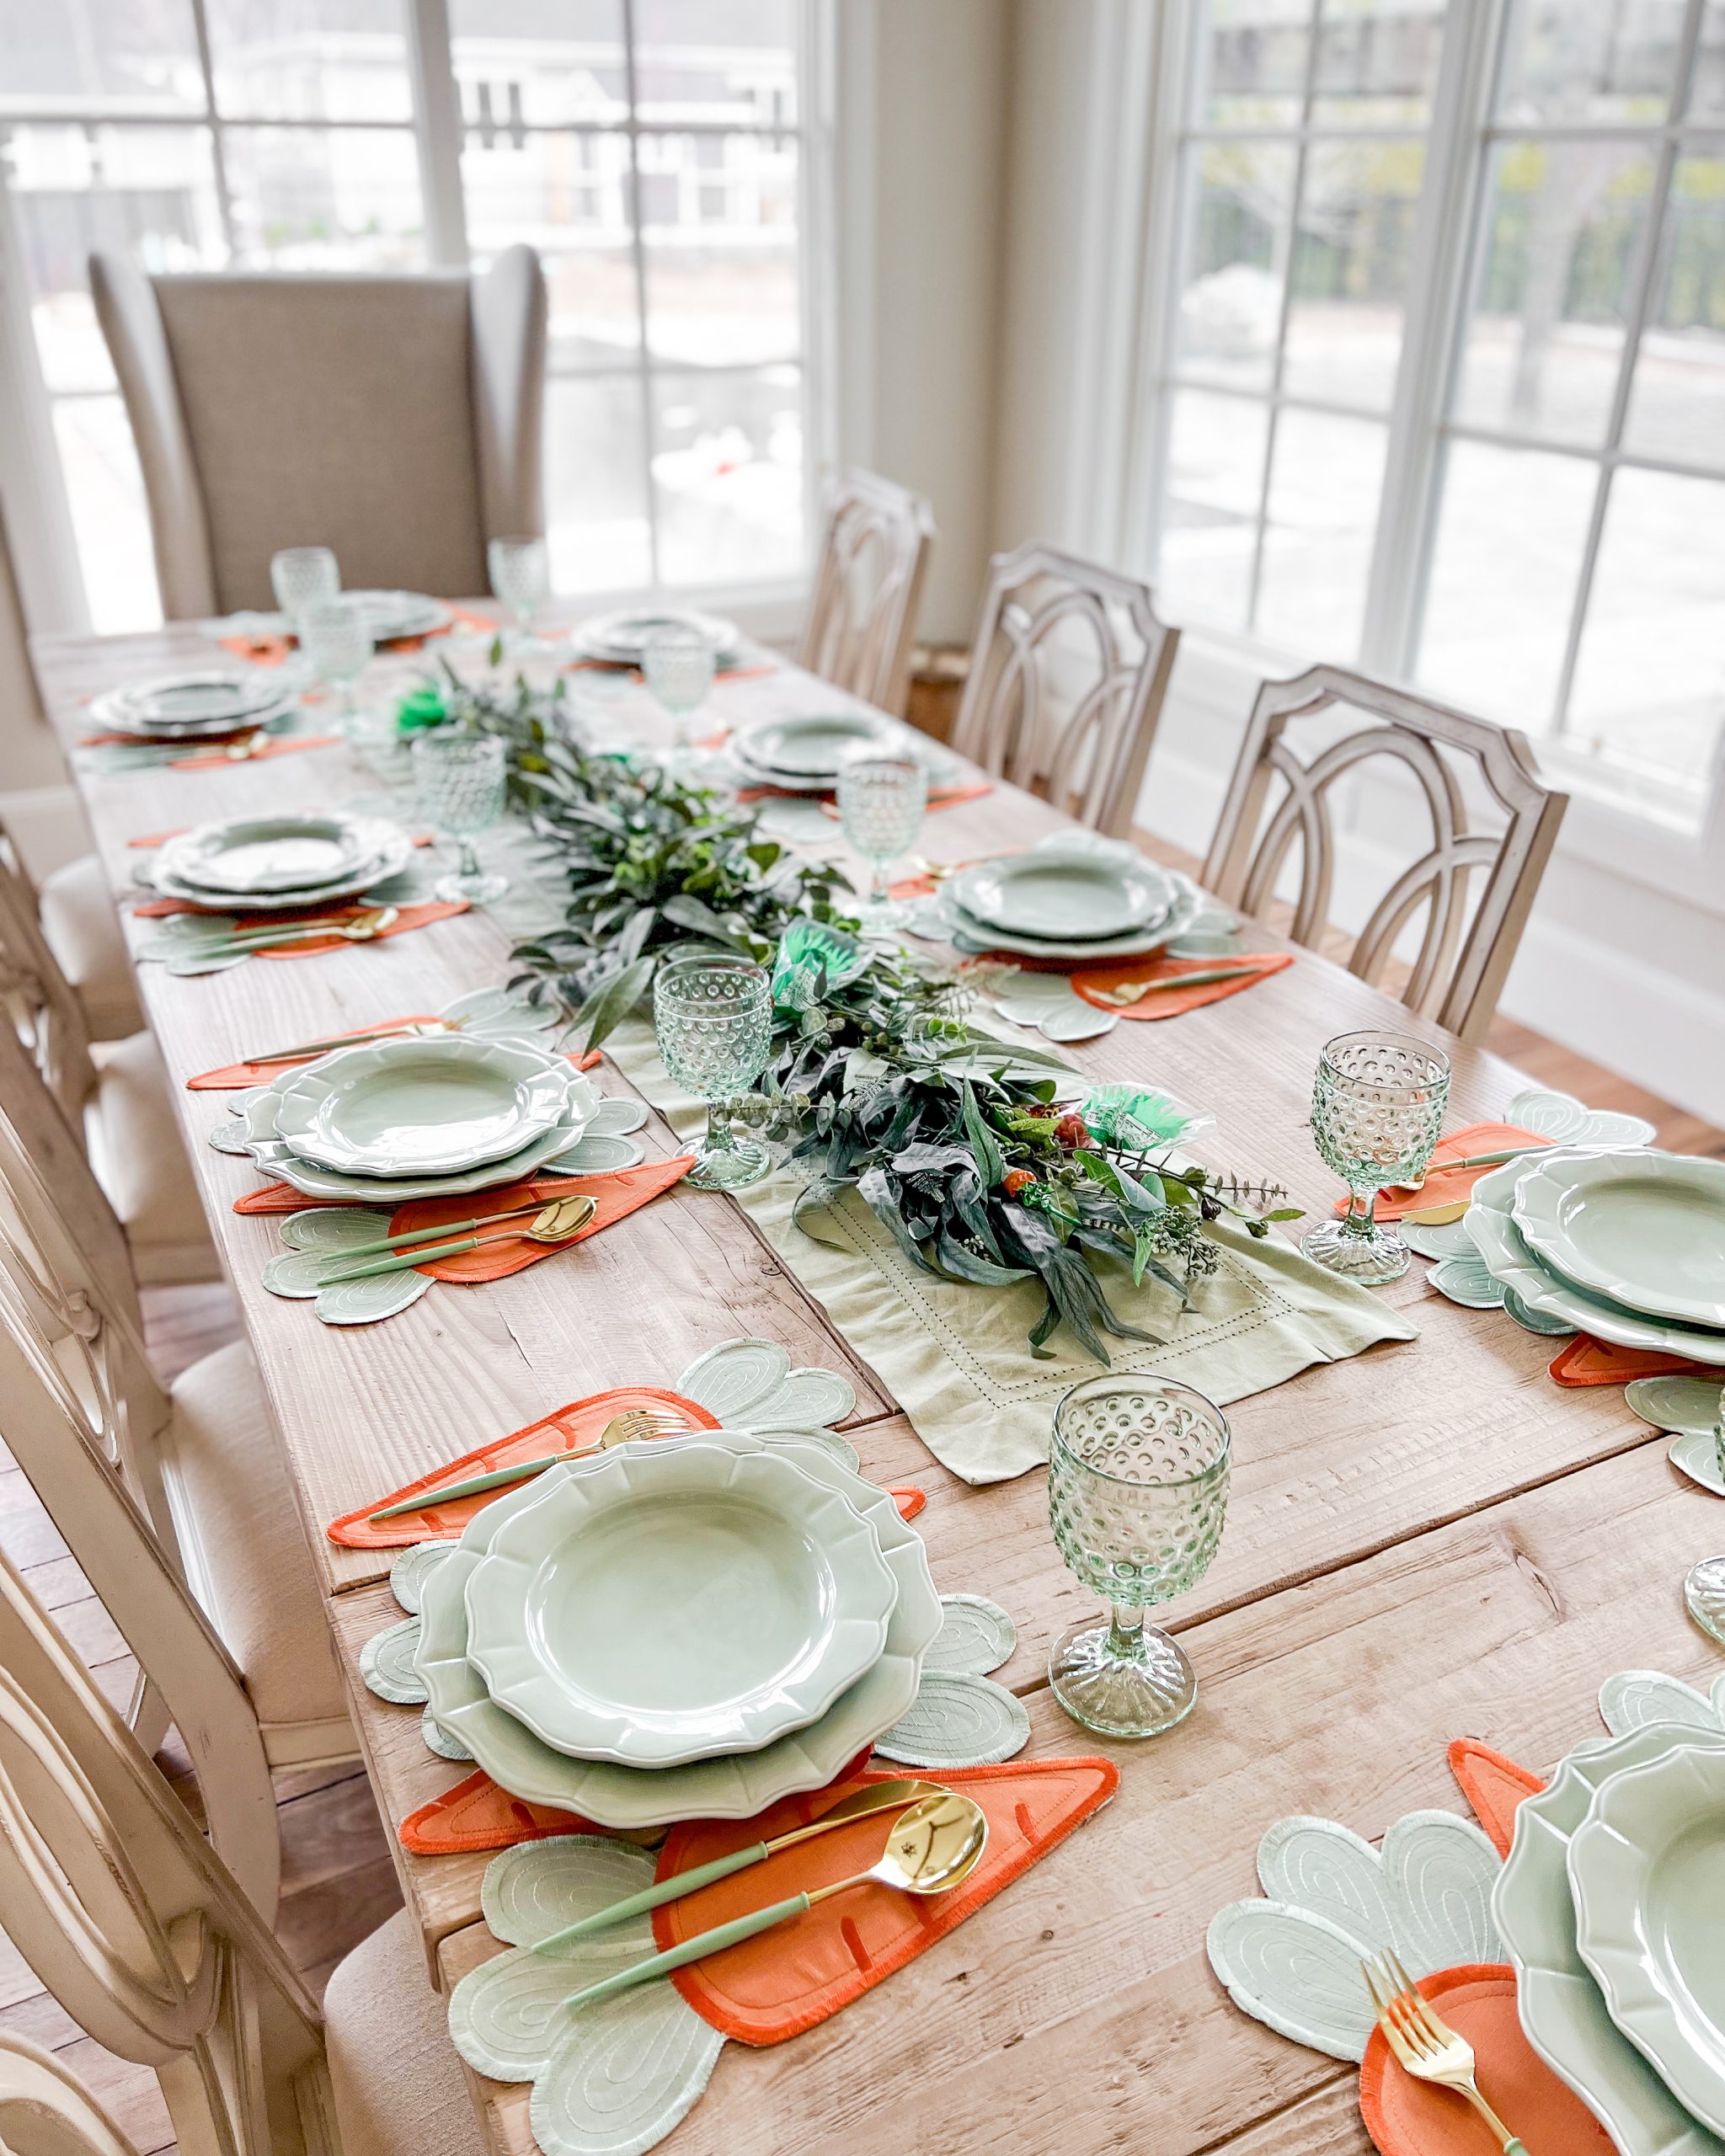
(218, 760)
(1451, 1188)
(1493, 1785)
(782, 1981)
(271, 651)
(1115, 988)
(1405, 2117)
(407, 918)
(1587, 1361)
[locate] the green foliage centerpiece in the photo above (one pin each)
(989, 1164)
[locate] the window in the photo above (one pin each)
(1534, 526)
(649, 149)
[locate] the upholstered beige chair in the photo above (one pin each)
(861, 621)
(160, 1495)
(113, 1094)
(1067, 676)
(144, 1938)
(398, 419)
(1458, 765)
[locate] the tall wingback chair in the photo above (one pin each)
(398, 419)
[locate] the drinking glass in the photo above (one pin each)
(678, 665)
(1377, 1106)
(336, 639)
(458, 779)
(1137, 1492)
(881, 801)
(301, 575)
(520, 577)
(714, 1017)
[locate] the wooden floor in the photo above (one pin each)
(338, 1881)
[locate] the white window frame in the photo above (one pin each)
(30, 473)
(1662, 847)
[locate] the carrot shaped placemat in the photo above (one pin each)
(1453, 1186)
(1151, 988)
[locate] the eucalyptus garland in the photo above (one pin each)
(975, 1154)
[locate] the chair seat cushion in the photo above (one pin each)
(397, 2082)
(246, 1557)
(81, 925)
(137, 1151)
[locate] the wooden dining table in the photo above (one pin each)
(1429, 1541)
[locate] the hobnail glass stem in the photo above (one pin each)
(1125, 1633)
(720, 1138)
(1361, 1217)
(469, 858)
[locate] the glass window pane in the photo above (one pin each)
(1511, 531)
(1209, 507)
(1254, 57)
(731, 62)
(309, 59)
(1377, 64)
(1706, 91)
(312, 198)
(1238, 248)
(149, 192)
(114, 55)
(545, 62)
(1649, 686)
(728, 475)
(568, 195)
(1350, 271)
(105, 490)
(1590, 60)
(595, 484)
(1677, 404)
(1565, 223)
(1326, 476)
(718, 224)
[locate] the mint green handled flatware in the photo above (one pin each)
(305, 1049)
(634, 1426)
(860, 1804)
(562, 1219)
(360, 931)
(933, 1847)
(410, 1237)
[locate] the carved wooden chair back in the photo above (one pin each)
(84, 1415)
(1466, 950)
(133, 1924)
(44, 2111)
(37, 998)
(868, 589)
(1068, 674)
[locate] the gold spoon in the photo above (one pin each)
(562, 1219)
(635, 1426)
(861, 1804)
(933, 1847)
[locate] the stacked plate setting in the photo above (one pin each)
(193, 706)
(621, 639)
(1627, 1244)
(1611, 1904)
(268, 864)
(434, 1116)
(390, 616)
(802, 756)
(685, 1628)
(1074, 897)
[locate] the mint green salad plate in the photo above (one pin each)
(1646, 1868)
(1055, 891)
(1646, 1228)
(657, 1606)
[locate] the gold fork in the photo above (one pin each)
(1423, 2044)
(630, 1428)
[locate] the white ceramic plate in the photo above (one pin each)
(814, 747)
(426, 1107)
(657, 1607)
(1646, 1229)
(182, 706)
(389, 614)
(619, 639)
(246, 855)
(734, 1787)
(1646, 1869)
(1563, 2013)
(1056, 893)
(1491, 1223)
(278, 1159)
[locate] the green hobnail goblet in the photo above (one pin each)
(1137, 1493)
(713, 1019)
(1377, 1110)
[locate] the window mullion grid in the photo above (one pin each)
(1274, 408)
(218, 154)
(1641, 299)
(638, 254)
